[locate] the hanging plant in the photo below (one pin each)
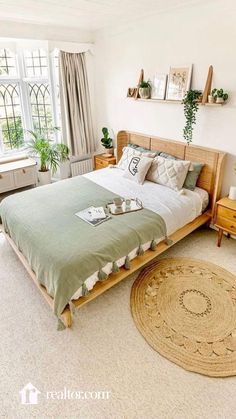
(191, 105)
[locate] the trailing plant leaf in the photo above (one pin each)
(190, 110)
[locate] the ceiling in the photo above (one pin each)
(85, 14)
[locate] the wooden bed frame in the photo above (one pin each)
(210, 179)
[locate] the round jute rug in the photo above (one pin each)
(186, 310)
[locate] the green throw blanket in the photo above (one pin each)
(64, 250)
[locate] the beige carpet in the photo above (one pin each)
(104, 351)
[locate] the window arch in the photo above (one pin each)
(10, 116)
(41, 107)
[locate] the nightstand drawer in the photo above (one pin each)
(100, 164)
(226, 223)
(226, 213)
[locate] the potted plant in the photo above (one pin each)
(191, 104)
(107, 143)
(145, 90)
(219, 95)
(50, 155)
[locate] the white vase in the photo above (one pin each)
(44, 178)
(219, 100)
(232, 192)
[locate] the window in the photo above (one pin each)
(7, 63)
(41, 107)
(29, 98)
(10, 116)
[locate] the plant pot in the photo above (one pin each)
(44, 178)
(108, 152)
(65, 170)
(211, 99)
(219, 100)
(144, 92)
(232, 192)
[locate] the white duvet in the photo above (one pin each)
(176, 208)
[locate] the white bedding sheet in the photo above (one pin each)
(177, 209)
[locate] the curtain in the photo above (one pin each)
(77, 128)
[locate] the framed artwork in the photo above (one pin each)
(178, 82)
(159, 86)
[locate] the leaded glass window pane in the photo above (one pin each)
(7, 63)
(36, 63)
(41, 107)
(10, 116)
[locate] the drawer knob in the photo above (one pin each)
(232, 227)
(234, 216)
(0, 176)
(23, 170)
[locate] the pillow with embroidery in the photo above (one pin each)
(168, 172)
(137, 168)
(128, 153)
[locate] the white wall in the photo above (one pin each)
(201, 35)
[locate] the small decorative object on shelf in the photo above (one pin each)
(101, 161)
(145, 90)
(225, 217)
(219, 95)
(107, 143)
(191, 102)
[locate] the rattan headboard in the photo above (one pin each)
(211, 175)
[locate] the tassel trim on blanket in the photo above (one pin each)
(85, 290)
(127, 262)
(140, 251)
(60, 325)
(102, 276)
(153, 245)
(168, 241)
(115, 268)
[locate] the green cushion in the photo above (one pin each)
(192, 176)
(142, 149)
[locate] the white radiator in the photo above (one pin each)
(81, 167)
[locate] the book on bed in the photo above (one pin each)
(93, 216)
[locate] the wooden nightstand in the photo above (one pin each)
(101, 161)
(225, 217)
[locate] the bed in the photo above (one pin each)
(50, 245)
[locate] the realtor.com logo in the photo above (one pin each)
(29, 395)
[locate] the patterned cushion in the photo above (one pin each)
(137, 168)
(193, 172)
(168, 172)
(128, 153)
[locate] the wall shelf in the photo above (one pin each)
(175, 102)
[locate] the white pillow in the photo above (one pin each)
(137, 168)
(168, 172)
(128, 153)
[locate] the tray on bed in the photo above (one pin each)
(135, 205)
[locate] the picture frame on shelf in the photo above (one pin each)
(179, 81)
(159, 83)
